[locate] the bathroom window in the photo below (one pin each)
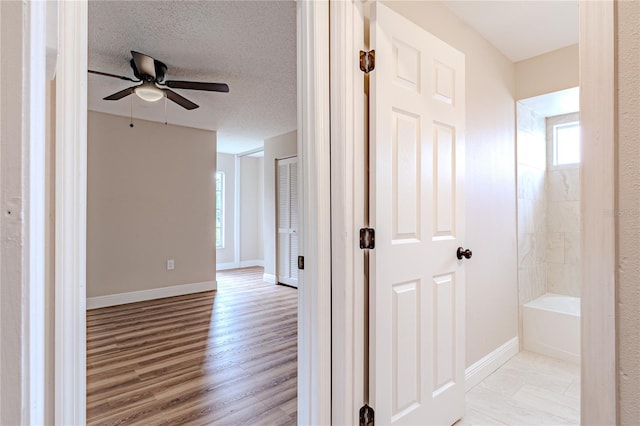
(566, 144)
(219, 210)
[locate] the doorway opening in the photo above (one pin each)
(182, 218)
(541, 384)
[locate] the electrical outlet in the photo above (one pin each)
(171, 265)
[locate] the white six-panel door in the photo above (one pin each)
(287, 256)
(417, 210)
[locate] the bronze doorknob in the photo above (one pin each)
(460, 253)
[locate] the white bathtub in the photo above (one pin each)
(551, 326)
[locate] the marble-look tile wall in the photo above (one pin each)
(563, 222)
(532, 204)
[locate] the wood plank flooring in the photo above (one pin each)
(226, 357)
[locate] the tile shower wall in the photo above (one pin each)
(532, 204)
(563, 222)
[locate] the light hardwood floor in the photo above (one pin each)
(530, 389)
(225, 357)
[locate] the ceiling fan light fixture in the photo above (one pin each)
(149, 92)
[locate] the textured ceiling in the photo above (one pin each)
(522, 29)
(250, 45)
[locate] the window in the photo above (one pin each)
(219, 210)
(566, 144)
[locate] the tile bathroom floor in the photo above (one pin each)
(530, 389)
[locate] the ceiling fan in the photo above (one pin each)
(150, 73)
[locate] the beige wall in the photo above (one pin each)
(550, 72)
(277, 147)
(251, 209)
(150, 198)
(226, 164)
(12, 228)
(492, 300)
(628, 229)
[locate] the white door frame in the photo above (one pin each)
(314, 219)
(599, 379)
(347, 210)
(71, 215)
(314, 302)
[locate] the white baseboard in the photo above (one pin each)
(154, 293)
(481, 369)
(241, 264)
(251, 263)
(225, 266)
(269, 278)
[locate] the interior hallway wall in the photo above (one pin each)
(491, 287)
(547, 73)
(251, 211)
(281, 146)
(628, 217)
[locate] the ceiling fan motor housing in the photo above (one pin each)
(160, 68)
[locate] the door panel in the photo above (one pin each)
(417, 207)
(287, 255)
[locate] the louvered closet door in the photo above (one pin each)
(287, 177)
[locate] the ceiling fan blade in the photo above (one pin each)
(121, 94)
(195, 85)
(145, 64)
(113, 75)
(180, 100)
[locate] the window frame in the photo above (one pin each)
(221, 177)
(552, 124)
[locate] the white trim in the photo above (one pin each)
(598, 361)
(286, 157)
(269, 278)
(223, 193)
(226, 266)
(70, 214)
(236, 209)
(347, 209)
(35, 124)
(250, 152)
(150, 294)
(251, 263)
(483, 368)
(241, 264)
(314, 299)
